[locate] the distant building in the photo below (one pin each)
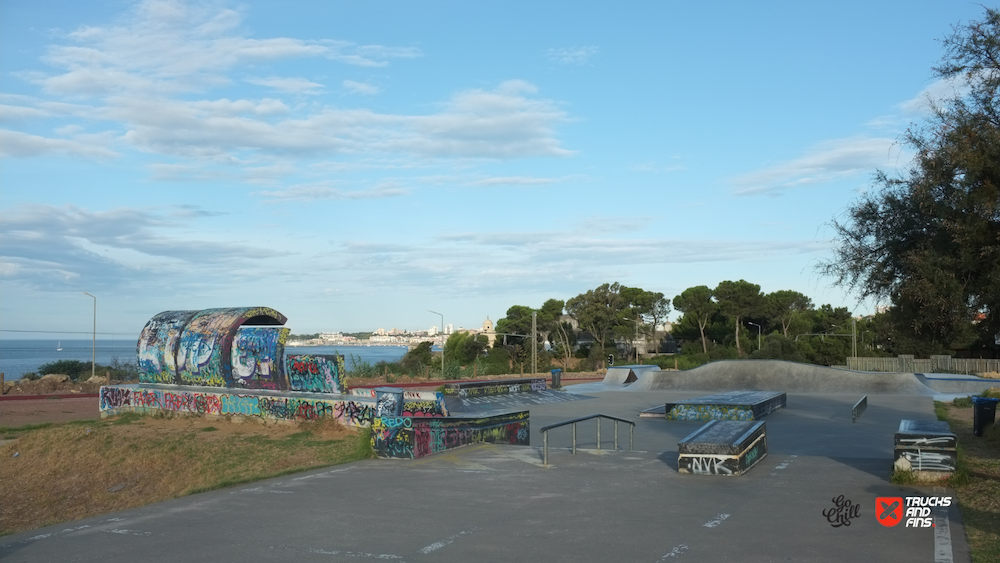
(487, 329)
(448, 329)
(432, 331)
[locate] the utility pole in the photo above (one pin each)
(442, 340)
(534, 342)
(93, 352)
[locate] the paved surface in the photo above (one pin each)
(497, 503)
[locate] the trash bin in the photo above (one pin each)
(984, 412)
(556, 378)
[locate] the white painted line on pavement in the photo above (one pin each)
(438, 545)
(675, 552)
(942, 534)
(715, 521)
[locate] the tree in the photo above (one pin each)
(785, 306)
(929, 240)
(464, 347)
(697, 303)
(646, 308)
(599, 310)
(739, 300)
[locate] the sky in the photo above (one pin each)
(355, 165)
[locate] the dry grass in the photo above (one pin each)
(78, 469)
(978, 483)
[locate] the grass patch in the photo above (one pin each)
(977, 481)
(64, 471)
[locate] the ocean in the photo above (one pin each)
(18, 357)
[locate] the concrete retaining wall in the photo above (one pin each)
(409, 438)
(499, 387)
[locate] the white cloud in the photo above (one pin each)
(175, 46)
(827, 162)
(361, 88)
(940, 90)
(572, 55)
(17, 144)
(288, 84)
(47, 246)
(518, 181)
(317, 193)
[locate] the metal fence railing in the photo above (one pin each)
(935, 364)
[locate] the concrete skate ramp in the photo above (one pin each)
(778, 375)
(956, 383)
(620, 375)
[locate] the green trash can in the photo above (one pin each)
(984, 413)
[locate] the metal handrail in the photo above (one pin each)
(859, 407)
(545, 432)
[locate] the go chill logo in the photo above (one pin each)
(915, 511)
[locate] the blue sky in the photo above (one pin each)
(356, 164)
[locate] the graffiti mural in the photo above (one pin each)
(316, 374)
(157, 347)
(481, 388)
(709, 412)
(116, 399)
(257, 357)
(407, 437)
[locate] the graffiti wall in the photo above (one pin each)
(316, 374)
(408, 437)
(196, 347)
(117, 399)
(501, 387)
(158, 344)
(257, 357)
(709, 412)
(415, 403)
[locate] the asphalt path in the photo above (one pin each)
(499, 503)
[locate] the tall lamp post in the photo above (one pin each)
(442, 339)
(758, 332)
(93, 352)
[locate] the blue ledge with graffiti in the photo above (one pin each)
(352, 410)
(410, 437)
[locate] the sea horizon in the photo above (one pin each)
(19, 356)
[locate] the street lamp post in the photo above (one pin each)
(758, 333)
(442, 339)
(93, 352)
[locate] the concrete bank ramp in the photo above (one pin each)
(621, 375)
(956, 383)
(779, 375)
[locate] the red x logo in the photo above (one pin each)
(889, 510)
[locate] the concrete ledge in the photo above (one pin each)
(735, 405)
(410, 438)
(928, 446)
(722, 447)
(498, 387)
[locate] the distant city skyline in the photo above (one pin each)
(354, 166)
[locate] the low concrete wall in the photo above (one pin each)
(410, 438)
(212, 401)
(415, 403)
(499, 387)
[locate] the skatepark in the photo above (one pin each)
(498, 502)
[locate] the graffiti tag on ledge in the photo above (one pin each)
(842, 512)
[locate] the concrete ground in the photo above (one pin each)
(498, 503)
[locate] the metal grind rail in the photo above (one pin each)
(545, 432)
(859, 408)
